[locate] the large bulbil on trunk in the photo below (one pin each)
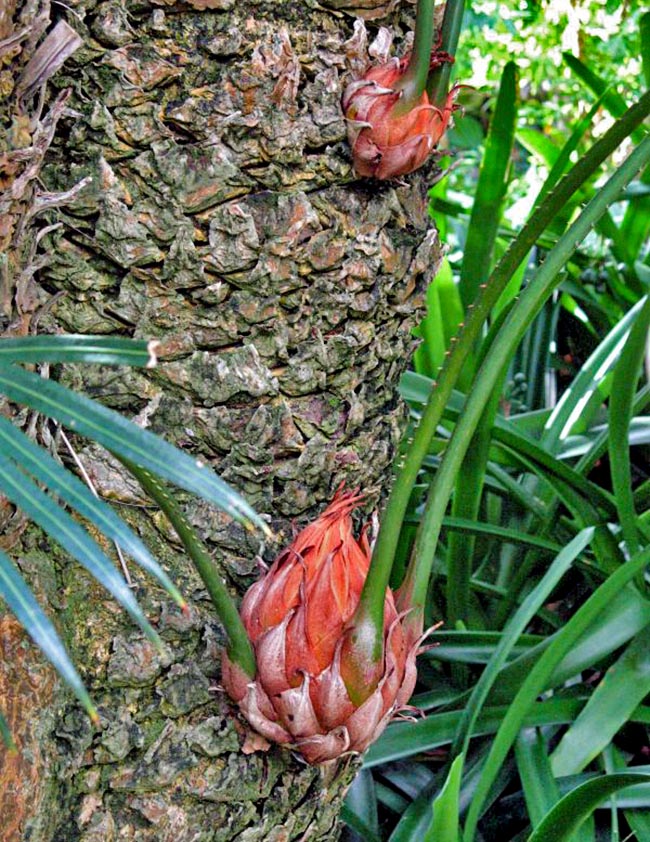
(224, 218)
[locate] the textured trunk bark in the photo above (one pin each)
(223, 217)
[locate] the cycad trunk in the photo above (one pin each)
(224, 218)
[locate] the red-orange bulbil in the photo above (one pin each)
(386, 140)
(298, 620)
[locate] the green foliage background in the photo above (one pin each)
(529, 439)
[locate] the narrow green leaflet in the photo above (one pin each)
(612, 100)
(528, 454)
(22, 603)
(568, 408)
(410, 778)
(519, 494)
(472, 647)
(563, 160)
(239, 648)
(644, 35)
(79, 349)
(597, 438)
(391, 799)
(451, 307)
(467, 497)
(623, 617)
(429, 355)
(124, 438)
(518, 444)
(639, 821)
(569, 814)
(406, 739)
(466, 502)
(358, 825)
(637, 817)
(633, 231)
(16, 445)
(507, 535)
(72, 537)
(600, 443)
(445, 824)
(416, 817)
(539, 144)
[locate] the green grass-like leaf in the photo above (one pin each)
(623, 687)
(360, 808)
(612, 100)
(536, 681)
(569, 410)
(644, 38)
(569, 814)
(540, 787)
(402, 740)
(476, 647)
(445, 824)
(624, 616)
(511, 634)
(626, 375)
(563, 159)
(491, 188)
(239, 648)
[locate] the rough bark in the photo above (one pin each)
(223, 217)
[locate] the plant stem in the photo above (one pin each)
(533, 297)
(239, 646)
(438, 84)
(414, 80)
(372, 599)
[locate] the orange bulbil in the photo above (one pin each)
(298, 617)
(387, 139)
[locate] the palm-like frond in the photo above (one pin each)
(55, 499)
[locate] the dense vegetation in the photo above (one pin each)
(535, 691)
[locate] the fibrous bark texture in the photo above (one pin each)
(223, 218)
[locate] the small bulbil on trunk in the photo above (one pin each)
(390, 137)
